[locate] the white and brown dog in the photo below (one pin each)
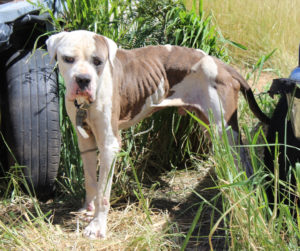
(115, 88)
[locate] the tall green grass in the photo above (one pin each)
(249, 221)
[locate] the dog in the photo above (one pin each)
(288, 156)
(109, 89)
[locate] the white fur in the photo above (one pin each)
(112, 50)
(191, 91)
(168, 47)
(53, 42)
(81, 46)
(107, 142)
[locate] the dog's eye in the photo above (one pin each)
(69, 60)
(97, 61)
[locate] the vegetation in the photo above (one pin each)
(166, 153)
(260, 27)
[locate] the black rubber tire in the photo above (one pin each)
(33, 112)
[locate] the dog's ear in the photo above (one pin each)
(112, 49)
(52, 43)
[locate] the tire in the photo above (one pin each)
(33, 112)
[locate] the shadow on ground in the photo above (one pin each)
(183, 214)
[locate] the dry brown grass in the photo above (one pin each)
(261, 26)
(26, 224)
(128, 229)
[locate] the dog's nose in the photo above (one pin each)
(83, 81)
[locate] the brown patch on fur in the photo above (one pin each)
(238, 83)
(143, 69)
(101, 52)
(87, 128)
(142, 75)
(101, 46)
(176, 76)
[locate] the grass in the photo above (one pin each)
(251, 222)
(261, 26)
(193, 196)
(22, 228)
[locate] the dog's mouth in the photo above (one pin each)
(84, 95)
(81, 93)
(81, 102)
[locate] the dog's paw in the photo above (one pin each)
(87, 207)
(96, 229)
(86, 213)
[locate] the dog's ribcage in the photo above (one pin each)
(150, 74)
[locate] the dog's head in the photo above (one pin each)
(82, 58)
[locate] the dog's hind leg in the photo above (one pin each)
(209, 88)
(242, 156)
(230, 125)
(234, 138)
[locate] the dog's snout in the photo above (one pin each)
(83, 81)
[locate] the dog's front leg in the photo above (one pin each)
(108, 145)
(88, 150)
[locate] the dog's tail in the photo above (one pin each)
(249, 96)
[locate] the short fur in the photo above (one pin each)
(129, 85)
